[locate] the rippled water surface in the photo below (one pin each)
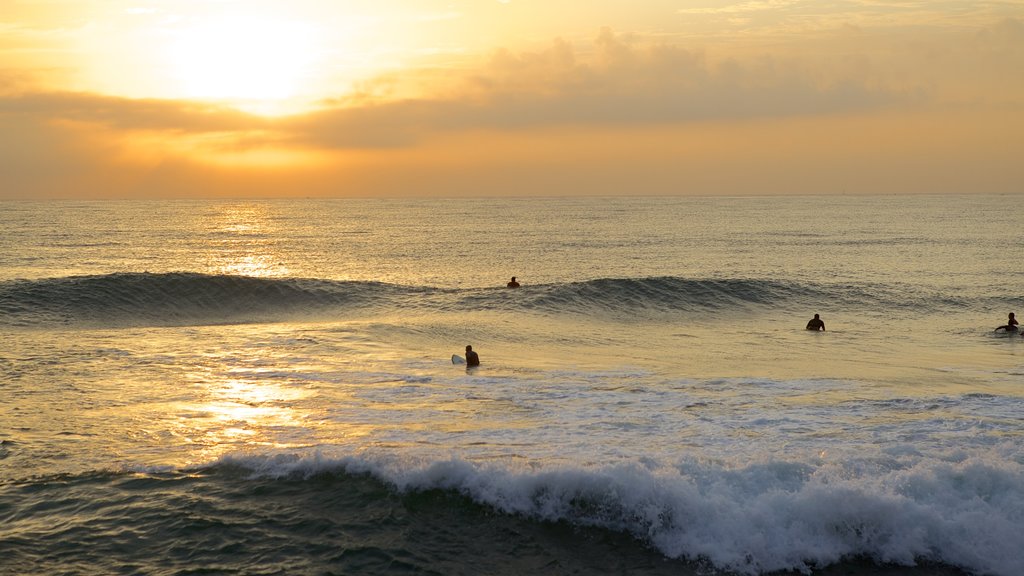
(651, 380)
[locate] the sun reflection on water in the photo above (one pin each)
(245, 239)
(242, 409)
(260, 266)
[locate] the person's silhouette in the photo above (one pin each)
(1011, 324)
(816, 324)
(472, 358)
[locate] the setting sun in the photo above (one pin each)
(122, 98)
(242, 58)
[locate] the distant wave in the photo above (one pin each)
(199, 299)
(660, 294)
(176, 298)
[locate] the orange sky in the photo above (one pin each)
(189, 98)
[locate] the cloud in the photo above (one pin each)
(127, 113)
(1008, 32)
(782, 18)
(67, 144)
(594, 117)
(616, 84)
(621, 85)
(742, 7)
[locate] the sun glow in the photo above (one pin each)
(243, 58)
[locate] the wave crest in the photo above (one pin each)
(661, 293)
(183, 298)
(174, 298)
(756, 519)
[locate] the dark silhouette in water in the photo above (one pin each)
(512, 283)
(472, 359)
(1011, 324)
(816, 324)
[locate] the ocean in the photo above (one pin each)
(266, 387)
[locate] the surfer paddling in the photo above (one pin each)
(816, 324)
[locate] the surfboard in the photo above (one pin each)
(456, 359)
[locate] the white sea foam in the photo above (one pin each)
(749, 518)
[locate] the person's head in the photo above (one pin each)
(513, 278)
(469, 348)
(1011, 314)
(815, 316)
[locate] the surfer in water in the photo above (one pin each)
(512, 283)
(1011, 324)
(472, 359)
(816, 324)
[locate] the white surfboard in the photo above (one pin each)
(456, 359)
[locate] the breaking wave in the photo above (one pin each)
(753, 519)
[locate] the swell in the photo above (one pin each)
(197, 299)
(662, 294)
(177, 298)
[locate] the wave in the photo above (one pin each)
(197, 299)
(176, 298)
(755, 519)
(659, 294)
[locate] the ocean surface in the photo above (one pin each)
(266, 387)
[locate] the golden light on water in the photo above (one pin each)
(247, 244)
(240, 411)
(259, 266)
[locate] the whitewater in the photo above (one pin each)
(265, 387)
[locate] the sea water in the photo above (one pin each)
(265, 387)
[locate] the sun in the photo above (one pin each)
(242, 58)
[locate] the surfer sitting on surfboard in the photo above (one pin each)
(471, 357)
(513, 283)
(1011, 324)
(816, 324)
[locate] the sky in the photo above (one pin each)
(338, 98)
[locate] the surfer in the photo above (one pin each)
(1011, 324)
(472, 359)
(512, 283)
(816, 324)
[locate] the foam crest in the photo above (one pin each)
(751, 519)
